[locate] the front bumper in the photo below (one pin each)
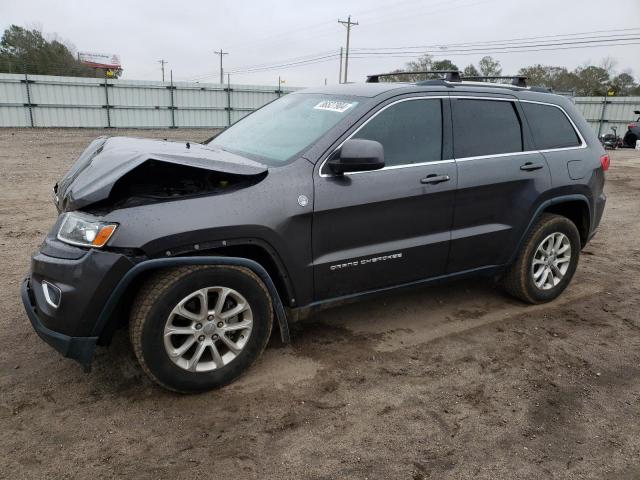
(85, 280)
(77, 348)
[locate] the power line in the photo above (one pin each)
(449, 54)
(414, 56)
(514, 41)
(290, 64)
(524, 44)
(303, 57)
(348, 23)
(221, 53)
(472, 51)
(515, 47)
(259, 65)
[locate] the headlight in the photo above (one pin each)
(85, 231)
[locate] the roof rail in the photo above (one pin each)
(449, 75)
(516, 80)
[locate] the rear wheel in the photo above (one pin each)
(546, 262)
(198, 328)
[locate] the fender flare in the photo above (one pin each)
(542, 207)
(146, 265)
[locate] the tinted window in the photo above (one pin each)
(485, 127)
(550, 126)
(410, 132)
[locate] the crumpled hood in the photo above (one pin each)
(107, 159)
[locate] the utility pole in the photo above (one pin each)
(347, 24)
(162, 64)
(340, 72)
(221, 53)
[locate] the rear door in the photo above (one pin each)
(500, 180)
(387, 227)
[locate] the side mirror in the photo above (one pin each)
(357, 155)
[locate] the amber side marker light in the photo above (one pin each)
(103, 235)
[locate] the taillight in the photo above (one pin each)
(605, 161)
(632, 125)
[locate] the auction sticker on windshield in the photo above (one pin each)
(334, 106)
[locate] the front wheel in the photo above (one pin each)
(546, 262)
(200, 327)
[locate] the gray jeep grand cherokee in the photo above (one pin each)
(323, 195)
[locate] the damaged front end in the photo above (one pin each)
(156, 181)
(77, 267)
(121, 172)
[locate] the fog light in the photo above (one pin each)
(52, 294)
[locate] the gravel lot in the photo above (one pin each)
(456, 381)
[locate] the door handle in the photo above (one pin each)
(529, 167)
(433, 178)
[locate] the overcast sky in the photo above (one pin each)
(260, 32)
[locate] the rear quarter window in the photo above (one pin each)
(550, 127)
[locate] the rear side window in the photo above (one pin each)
(550, 127)
(485, 127)
(410, 132)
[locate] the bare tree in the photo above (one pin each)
(609, 64)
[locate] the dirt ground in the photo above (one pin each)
(457, 381)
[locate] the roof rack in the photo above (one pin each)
(516, 80)
(449, 75)
(453, 76)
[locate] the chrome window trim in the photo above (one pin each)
(392, 167)
(396, 167)
(583, 143)
(494, 155)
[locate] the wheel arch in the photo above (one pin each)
(578, 212)
(128, 286)
(566, 205)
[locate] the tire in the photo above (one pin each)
(630, 139)
(520, 280)
(186, 299)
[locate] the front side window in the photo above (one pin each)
(485, 127)
(410, 131)
(278, 131)
(550, 126)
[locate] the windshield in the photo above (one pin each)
(279, 130)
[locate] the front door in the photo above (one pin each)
(392, 226)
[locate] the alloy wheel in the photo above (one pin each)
(551, 261)
(208, 329)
